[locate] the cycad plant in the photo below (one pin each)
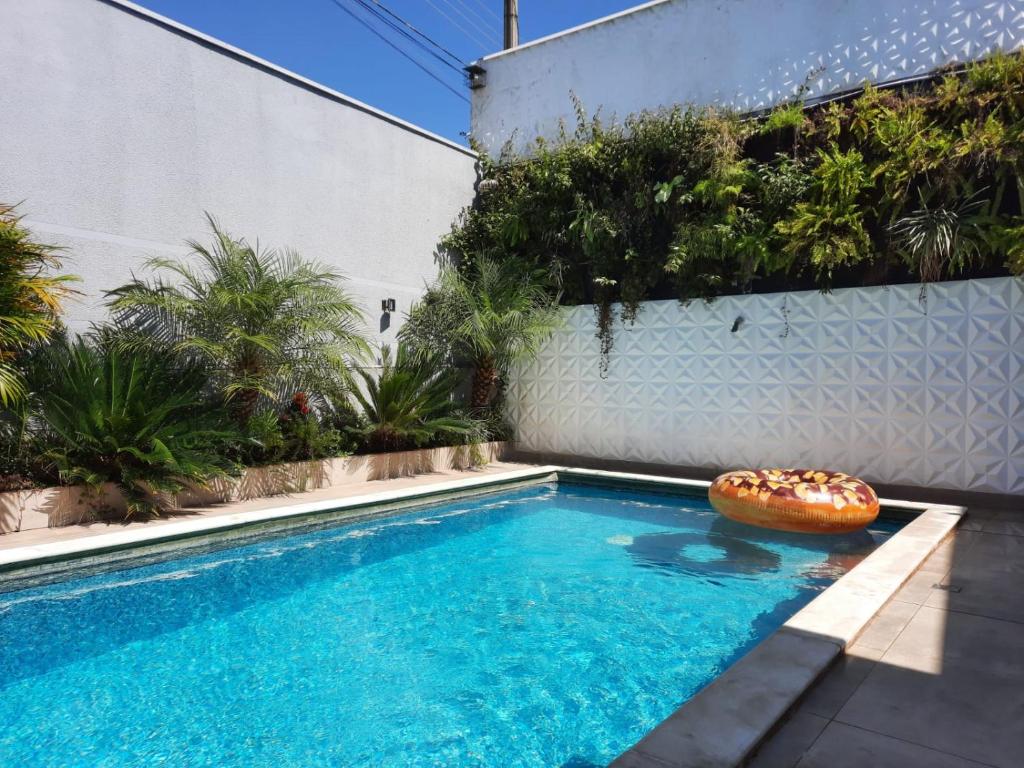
(263, 321)
(30, 298)
(409, 403)
(131, 417)
(496, 317)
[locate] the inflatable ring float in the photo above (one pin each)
(799, 500)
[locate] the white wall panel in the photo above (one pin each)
(747, 54)
(871, 381)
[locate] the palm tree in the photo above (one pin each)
(29, 298)
(495, 318)
(409, 402)
(259, 319)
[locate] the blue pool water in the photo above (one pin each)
(551, 626)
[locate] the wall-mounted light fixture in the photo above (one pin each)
(387, 305)
(476, 76)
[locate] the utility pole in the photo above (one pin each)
(511, 24)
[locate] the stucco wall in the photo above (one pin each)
(118, 129)
(748, 54)
(872, 381)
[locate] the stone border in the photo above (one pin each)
(724, 722)
(18, 558)
(71, 505)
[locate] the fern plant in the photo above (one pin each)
(133, 418)
(830, 231)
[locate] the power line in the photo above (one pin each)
(462, 64)
(471, 21)
(376, 32)
(494, 15)
(483, 43)
(476, 13)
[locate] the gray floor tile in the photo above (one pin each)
(958, 709)
(934, 639)
(837, 685)
(842, 746)
(790, 742)
(882, 630)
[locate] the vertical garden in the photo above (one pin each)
(919, 182)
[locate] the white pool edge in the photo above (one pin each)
(725, 721)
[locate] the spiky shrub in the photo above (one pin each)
(494, 318)
(30, 298)
(263, 321)
(935, 240)
(409, 403)
(134, 418)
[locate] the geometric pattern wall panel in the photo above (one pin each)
(884, 382)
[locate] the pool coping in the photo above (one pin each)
(724, 722)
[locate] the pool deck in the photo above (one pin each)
(936, 680)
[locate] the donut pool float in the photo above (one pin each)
(799, 500)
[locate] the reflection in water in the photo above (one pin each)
(687, 552)
(729, 547)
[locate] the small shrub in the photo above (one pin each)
(409, 404)
(134, 418)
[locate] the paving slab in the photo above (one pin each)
(838, 684)
(842, 746)
(947, 689)
(961, 710)
(790, 741)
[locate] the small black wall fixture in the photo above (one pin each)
(387, 305)
(737, 323)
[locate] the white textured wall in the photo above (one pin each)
(118, 131)
(866, 380)
(748, 54)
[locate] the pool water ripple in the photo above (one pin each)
(549, 626)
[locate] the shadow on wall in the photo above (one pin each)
(905, 40)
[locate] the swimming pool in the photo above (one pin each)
(548, 626)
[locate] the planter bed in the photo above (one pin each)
(72, 505)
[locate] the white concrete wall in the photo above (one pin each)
(869, 381)
(118, 129)
(748, 54)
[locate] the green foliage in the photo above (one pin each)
(260, 320)
(134, 418)
(492, 318)
(699, 202)
(30, 298)
(296, 433)
(830, 229)
(409, 403)
(937, 241)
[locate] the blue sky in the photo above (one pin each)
(318, 40)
